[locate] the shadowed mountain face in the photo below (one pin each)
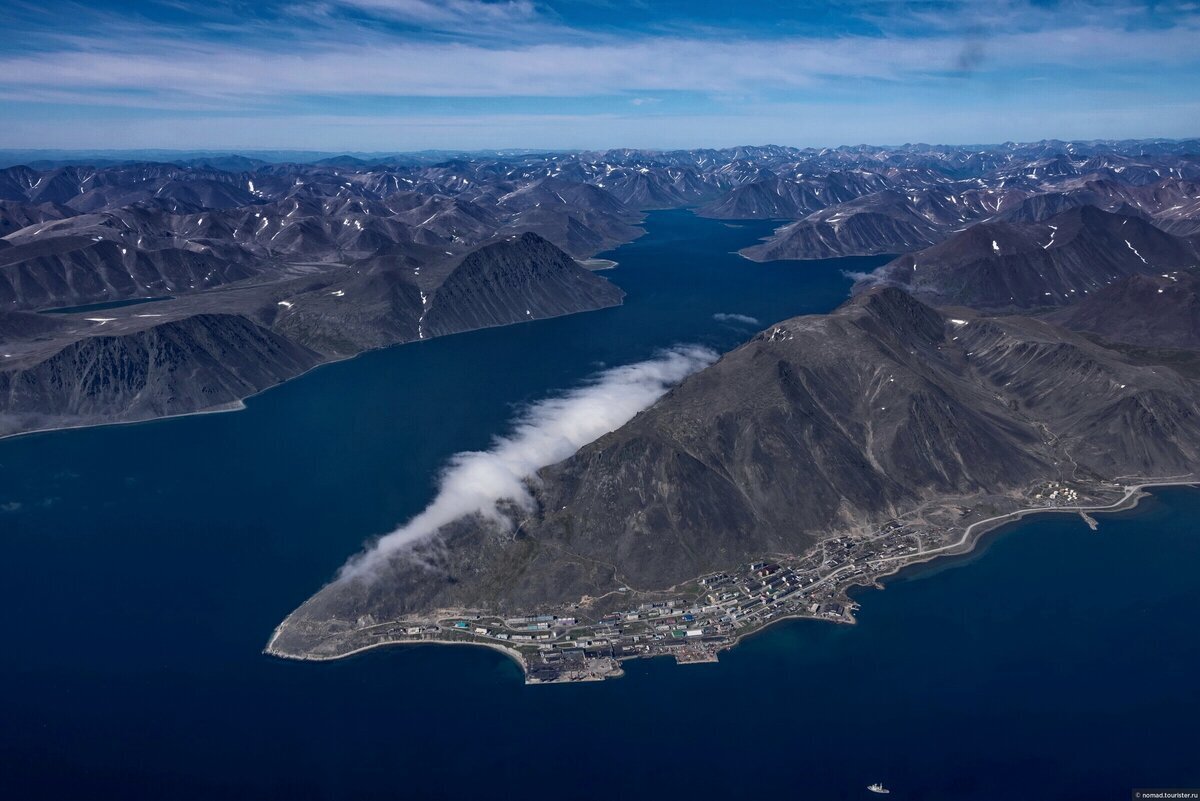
(867, 225)
(209, 351)
(76, 270)
(524, 276)
(203, 362)
(1000, 265)
(1161, 311)
(926, 201)
(819, 426)
(774, 196)
(392, 300)
(1171, 204)
(16, 215)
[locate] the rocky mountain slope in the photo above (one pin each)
(877, 223)
(920, 200)
(1003, 265)
(523, 277)
(77, 270)
(1160, 311)
(199, 363)
(393, 299)
(819, 426)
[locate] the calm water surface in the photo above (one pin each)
(145, 566)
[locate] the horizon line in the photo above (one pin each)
(571, 150)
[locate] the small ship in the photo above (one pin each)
(878, 788)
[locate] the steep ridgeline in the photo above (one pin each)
(1006, 266)
(883, 222)
(513, 280)
(204, 352)
(1172, 205)
(1160, 311)
(582, 219)
(770, 198)
(914, 214)
(15, 215)
(195, 364)
(820, 426)
(77, 270)
(521, 278)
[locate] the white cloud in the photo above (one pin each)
(744, 319)
(240, 74)
(349, 67)
(548, 432)
(443, 12)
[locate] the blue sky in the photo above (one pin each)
(386, 75)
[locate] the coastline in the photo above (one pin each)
(973, 534)
(597, 265)
(233, 406)
(512, 654)
(1134, 494)
(240, 403)
(966, 544)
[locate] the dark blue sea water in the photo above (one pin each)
(145, 566)
(111, 304)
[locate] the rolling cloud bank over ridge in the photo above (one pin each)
(548, 431)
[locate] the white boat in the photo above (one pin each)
(878, 788)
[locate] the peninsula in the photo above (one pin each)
(828, 452)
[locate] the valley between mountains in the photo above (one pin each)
(135, 290)
(1035, 346)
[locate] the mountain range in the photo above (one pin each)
(323, 256)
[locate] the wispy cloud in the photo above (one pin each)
(405, 69)
(548, 432)
(511, 22)
(361, 57)
(744, 319)
(447, 12)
